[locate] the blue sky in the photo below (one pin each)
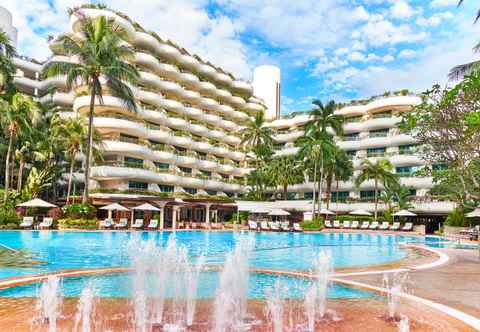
(326, 49)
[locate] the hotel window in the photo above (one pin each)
(367, 194)
(351, 154)
(185, 170)
(413, 192)
(191, 191)
(165, 188)
(162, 166)
(340, 196)
(378, 133)
(133, 162)
(384, 114)
(206, 173)
(407, 149)
(308, 195)
(404, 171)
(376, 152)
(128, 138)
(291, 196)
(137, 185)
(439, 167)
(224, 176)
(351, 137)
(211, 192)
(353, 119)
(230, 194)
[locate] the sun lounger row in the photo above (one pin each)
(275, 226)
(123, 224)
(374, 225)
(28, 222)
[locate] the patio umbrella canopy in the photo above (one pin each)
(37, 202)
(260, 211)
(360, 213)
(146, 207)
(114, 207)
(404, 213)
(278, 212)
(474, 214)
(325, 211)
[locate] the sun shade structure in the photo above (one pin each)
(404, 213)
(278, 212)
(325, 211)
(114, 207)
(260, 210)
(146, 207)
(37, 202)
(360, 213)
(474, 214)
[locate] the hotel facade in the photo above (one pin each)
(185, 137)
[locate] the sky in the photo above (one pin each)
(326, 49)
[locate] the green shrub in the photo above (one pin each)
(243, 217)
(78, 223)
(79, 211)
(9, 217)
(312, 225)
(456, 218)
(351, 218)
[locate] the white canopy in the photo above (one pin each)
(278, 212)
(260, 210)
(37, 202)
(146, 207)
(360, 213)
(325, 211)
(474, 214)
(114, 207)
(404, 213)
(178, 200)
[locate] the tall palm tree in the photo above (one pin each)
(460, 71)
(285, 171)
(101, 57)
(15, 118)
(381, 172)
(7, 51)
(257, 137)
(341, 170)
(324, 117)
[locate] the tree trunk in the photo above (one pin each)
(314, 182)
(285, 191)
(89, 147)
(70, 176)
(329, 189)
(7, 167)
(376, 197)
(320, 185)
(336, 201)
(21, 166)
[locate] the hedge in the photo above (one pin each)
(312, 225)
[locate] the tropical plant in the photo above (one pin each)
(257, 137)
(324, 117)
(379, 172)
(102, 61)
(7, 51)
(285, 171)
(340, 168)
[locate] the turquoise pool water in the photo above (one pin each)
(120, 285)
(283, 251)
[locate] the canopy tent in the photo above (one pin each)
(326, 212)
(278, 212)
(404, 213)
(474, 214)
(37, 202)
(360, 213)
(114, 207)
(260, 210)
(146, 207)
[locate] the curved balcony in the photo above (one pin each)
(289, 137)
(28, 65)
(380, 123)
(59, 98)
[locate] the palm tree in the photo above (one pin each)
(341, 170)
(323, 117)
(381, 171)
(15, 118)
(257, 137)
(460, 71)
(285, 171)
(7, 51)
(102, 57)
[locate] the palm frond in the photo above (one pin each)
(458, 72)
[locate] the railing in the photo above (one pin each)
(350, 138)
(374, 135)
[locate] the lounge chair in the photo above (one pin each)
(106, 223)
(153, 224)
(285, 226)
(46, 223)
(252, 225)
(336, 224)
(408, 227)
(274, 226)
(138, 224)
(27, 222)
(122, 223)
(365, 225)
(384, 226)
(264, 226)
(373, 225)
(328, 224)
(354, 224)
(297, 227)
(395, 226)
(346, 224)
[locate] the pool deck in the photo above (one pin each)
(455, 284)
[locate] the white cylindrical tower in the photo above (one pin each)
(266, 85)
(7, 26)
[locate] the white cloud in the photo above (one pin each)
(388, 58)
(407, 53)
(402, 10)
(443, 3)
(356, 56)
(434, 20)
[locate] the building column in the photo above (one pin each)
(162, 218)
(207, 214)
(174, 217)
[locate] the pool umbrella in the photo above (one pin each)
(404, 213)
(474, 214)
(360, 213)
(146, 207)
(278, 212)
(326, 212)
(114, 207)
(37, 202)
(260, 210)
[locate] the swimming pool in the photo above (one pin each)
(283, 251)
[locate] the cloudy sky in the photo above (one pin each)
(327, 49)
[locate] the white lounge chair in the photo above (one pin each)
(297, 227)
(346, 224)
(27, 222)
(384, 226)
(264, 226)
(46, 223)
(106, 223)
(252, 225)
(274, 226)
(373, 225)
(285, 226)
(365, 225)
(408, 227)
(153, 224)
(328, 224)
(336, 224)
(355, 224)
(122, 223)
(138, 224)
(395, 226)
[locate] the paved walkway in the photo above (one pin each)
(455, 284)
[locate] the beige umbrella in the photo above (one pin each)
(326, 212)
(404, 213)
(278, 212)
(37, 202)
(360, 213)
(113, 207)
(146, 207)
